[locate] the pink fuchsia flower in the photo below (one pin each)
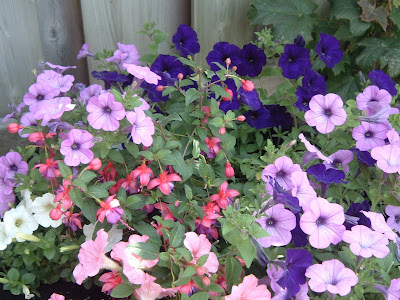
(111, 280)
(369, 135)
(394, 217)
(323, 222)
(378, 224)
(150, 290)
(72, 220)
(91, 91)
(164, 211)
(392, 292)
(92, 258)
(142, 127)
(76, 148)
(331, 276)
(214, 145)
(340, 160)
(110, 209)
(224, 196)
(49, 169)
(52, 109)
(302, 189)
(278, 222)
(372, 94)
(37, 93)
(281, 171)
(105, 112)
(249, 289)
(55, 296)
(13, 164)
(199, 245)
(364, 242)
(164, 182)
(84, 52)
(143, 174)
(59, 69)
(126, 54)
(326, 112)
(142, 73)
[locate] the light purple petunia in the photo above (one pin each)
(5, 201)
(37, 93)
(278, 222)
(369, 135)
(76, 148)
(59, 69)
(392, 292)
(312, 151)
(142, 73)
(60, 84)
(302, 189)
(84, 52)
(340, 160)
(126, 54)
(89, 92)
(331, 276)
(323, 222)
(378, 224)
(47, 75)
(13, 164)
(364, 242)
(5, 183)
(325, 112)
(394, 217)
(105, 112)
(27, 120)
(53, 109)
(372, 94)
(378, 114)
(281, 170)
(142, 127)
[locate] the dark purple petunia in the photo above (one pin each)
(326, 176)
(257, 118)
(299, 41)
(313, 83)
(383, 81)
(249, 98)
(328, 50)
(110, 78)
(170, 65)
(354, 216)
(221, 51)
(297, 261)
(261, 256)
(186, 41)
(299, 238)
(294, 61)
(279, 117)
(252, 60)
(302, 102)
(281, 196)
(364, 157)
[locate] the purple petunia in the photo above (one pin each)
(369, 135)
(257, 118)
(364, 157)
(392, 292)
(27, 120)
(281, 170)
(279, 117)
(372, 95)
(340, 160)
(13, 164)
(89, 92)
(252, 60)
(328, 50)
(76, 148)
(126, 54)
(5, 183)
(169, 65)
(111, 78)
(58, 68)
(383, 81)
(294, 61)
(186, 41)
(84, 52)
(394, 217)
(53, 109)
(37, 93)
(354, 215)
(249, 98)
(302, 189)
(5, 201)
(142, 127)
(324, 175)
(313, 84)
(299, 41)
(388, 156)
(221, 51)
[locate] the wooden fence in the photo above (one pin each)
(54, 31)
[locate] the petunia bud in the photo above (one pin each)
(222, 131)
(229, 171)
(180, 76)
(95, 164)
(13, 127)
(160, 88)
(241, 118)
(230, 95)
(247, 85)
(228, 61)
(55, 213)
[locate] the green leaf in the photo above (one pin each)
(133, 149)
(162, 153)
(200, 296)
(191, 95)
(176, 160)
(374, 49)
(188, 192)
(134, 202)
(116, 156)
(289, 17)
(233, 270)
(176, 235)
(349, 10)
(76, 197)
(189, 271)
(28, 278)
(247, 251)
(13, 274)
(87, 176)
(98, 191)
(49, 253)
(122, 290)
(89, 210)
(391, 58)
(345, 87)
(172, 117)
(65, 171)
(187, 62)
(79, 183)
(196, 149)
(202, 260)
(395, 16)
(146, 251)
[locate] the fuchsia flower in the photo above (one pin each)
(213, 145)
(281, 171)
(13, 164)
(111, 280)
(225, 196)
(49, 169)
(323, 222)
(340, 160)
(84, 52)
(142, 127)
(394, 217)
(76, 148)
(331, 276)
(110, 209)
(372, 94)
(249, 289)
(369, 135)
(105, 112)
(164, 182)
(52, 109)
(378, 224)
(142, 73)
(143, 174)
(126, 54)
(326, 112)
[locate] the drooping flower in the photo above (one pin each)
(186, 41)
(328, 50)
(110, 209)
(371, 95)
(379, 224)
(294, 61)
(164, 182)
(49, 169)
(5, 183)
(313, 84)
(76, 148)
(331, 276)
(126, 54)
(42, 207)
(327, 176)
(62, 194)
(369, 135)
(383, 81)
(142, 127)
(52, 109)
(279, 195)
(249, 289)
(224, 196)
(72, 220)
(143, 174)
(199, 245)
(252, 60)
(326, 112)
(105, 112)
(15, 111)
(340, 160)
(364, 157)
(13, 164)
(213, 145)
(19, 220)
(394, 217)
(313, 151)
(84, 52)
(299, 238)
(221, 51)
(323, 222)
(281, 170)
(142, 73)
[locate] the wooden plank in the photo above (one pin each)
(220, 21)
(107, 22)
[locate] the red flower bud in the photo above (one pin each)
(241, 118)
(180, 76)
(247, 85)
(229, 171)
(13, 127)
(95, 164)
(55, 213)
(230, 94)
(228, 61)
(36, 136)
(234, 68)
(206, 280)
(160, 88)
(222, 131)
(206, 111)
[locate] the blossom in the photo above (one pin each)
(252, 60)
(328, 50)
(91, 91)
(111, 78)
(278, 116)
(294, 61)
(369, 135)
(5, 182)
(257, 118)
(59, 69)
(13, 164)
(49, 169)
(331, 276)
(251, 99)
(323, 222)
(164, 182)
(199, 245)
(105, 112)
(72, 220)
(110, 209)
(37, 93)
(277, 222)
(363, 157)
(313, 83)
(5, 238)
(168, 67)
(5, 202)
(392, 292)
(76, 148)
(19, 220)
(394, 217)
(114, 235)
(340, 160)
(354, 212)
(378, 224)
(41, 208)
(149, 290)
(281, 170)
(15, 111)
(55, 296)
(126, 54)
(324, 175)
(60, 84)
(387, 157)
(84, 52)
(302, 189)
(221, 51)
(186, 41)
(224, 196)
(364, 242)
(142, 127)
(142, 73)
(326, 112)
(111, 280)
(213, 145)
(313, 150)
(143, 174)
(249, 289)
(372, 94)
(382, 81)
(52, 109)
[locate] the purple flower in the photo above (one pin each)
(364, 157)
(142, 127)
(392, 292)
(169, 65)
(105, 112)
(76, 148)
(221, 51)
(5, 183)
(302, 102)
(53, 126)
(257, 118)
(371, 95)
(369, 135)
(379, 224)
(279, 195)
(5, 201)
(378, 114)
(278, 222)
(142, 73)
(229, 105)
(91, 91)
(13, 164)
(383, 81)
(249, 98)
(279, 117)
(299, 41)
(313, 84)
(37, 93)
(53, 109)
(327, 176)
(186, 41)
(281, 171)
(126, 54)
(302, 189)
(60, 84)
(314, 152)
(387, 158)
(340, 160)
(331, 276)
(294, 61)
(252, 60)
(355, 212)
(84, 52)
(15, 111)
(299, 238)
(59, 69)
(326, 112)
(232, 104)
(111, 78)
(27, 120)
(394, 217)
(328, 50)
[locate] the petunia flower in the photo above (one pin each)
(126, 54)
(326, 112)
(149, 290)
(164, 182)
(313, 84)
(382, 81)
(76, 148)
(6, 202)
(394, 217)
(299, 238)
(114, 235)
(52, 109)
(251, 99)
(257, 118)
(186, 41)
(387, 157)
(249, 289)
(281, 170)
(60, 84)
(19, 220)
(112, 79)
(294, 61)
(41, 208)
(5, 238)
(392, 292)
(143, 174)
(372, 94)
(313, 151)
(110, 209)
(369, 135)
(340, 160)
(331, 276)
(221, 51)
(326, 176)
(302, 189)
(168, 67)
(15, 112)
(37, 93)
(59, 69)
(328, 50)
(5, 183)
(105, 112)
(142, 73)
(364, 157)
(84, 52)
(252, 60)
(379, 224)
(13, 164)
(56, 296)
(323, 222)
(354, 213)
(224, 196)
(142, 127)
(89, 92)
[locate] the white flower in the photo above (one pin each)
(26, 200)
(5, 239)
(114, 235)
(19, 220)
(42, 207)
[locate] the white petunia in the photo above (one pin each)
(5, 239)
(42, 207)
(114, 235)
(26, 200)
(19, 220)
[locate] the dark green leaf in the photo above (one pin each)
(146, 251)
(349, 10)
(116, 156)
(345, 87)
(98, 191)
(79, 183)
(233, 270)
(200, 296)
(247, 251)
(191, 95)
(176, 160)
(122, 290)
(133, 149)
(87, 176)
(89, 210)
(13, 274)
(65, 171)
(176, 235)
(76, 197)
(49, 252)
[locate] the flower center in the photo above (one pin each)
(75, 146)
(107, 110)
(181, 42)
(323, 51)
(321, 221)
(281, 174)
(14, 168)
(40, 97)
(290, 59)
(18, 222)
(328, 112)
(336, 164)
(270, 222)
(368, 134)
(397, 219)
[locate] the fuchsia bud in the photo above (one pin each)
(229, 171)
(241, 118)
(228, 61)
(247, 85)
(95, 164)
(160, 88)
(55, 213)
(230, 95)
(36, 136)
(222, 131)
(234, 68)
(14, 127)
(206, 280)
(180, 76)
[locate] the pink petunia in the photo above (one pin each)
(37, 93)
(325, 112)
(378, 224)
(372, 94)
(249, 289)
(302, 189)
(126, 54)
(394, 217)
(323, 222)
(89, 92)
(340, 160)
(331, 276)
(392, 292)
(281, 170)
(199, 245)
(142, 73)
(224, 196)
(364, 242)
(369, 135)
(149, 290)
(312, 151)
(387, 157)
(55, 296)
(47, 110)
(142, 127)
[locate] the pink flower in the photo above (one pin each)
(111, 280)
(326, 112)
(365, 242)
(372, 94)
(249, 289)
(50, 169)
(378, 224)
(165, 182)
(331, 276)
(312, 151)
(302, 189)
(392, 292)
(143, 174)
(60, 84)
(213, 145)
(387, 157)
(142, 73)
(37, 93)
(52, 109)
(110, 209)
(394, 217)
(281, 171)
(340, 159)
(225, 196)
(369, 135)
(199, 245)
(323, 222)
(76, 148)
(91, 91)
(59, 69)
(149, 290)
(142, 127)
(126, 54)
(84, 52)
(55, 296)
